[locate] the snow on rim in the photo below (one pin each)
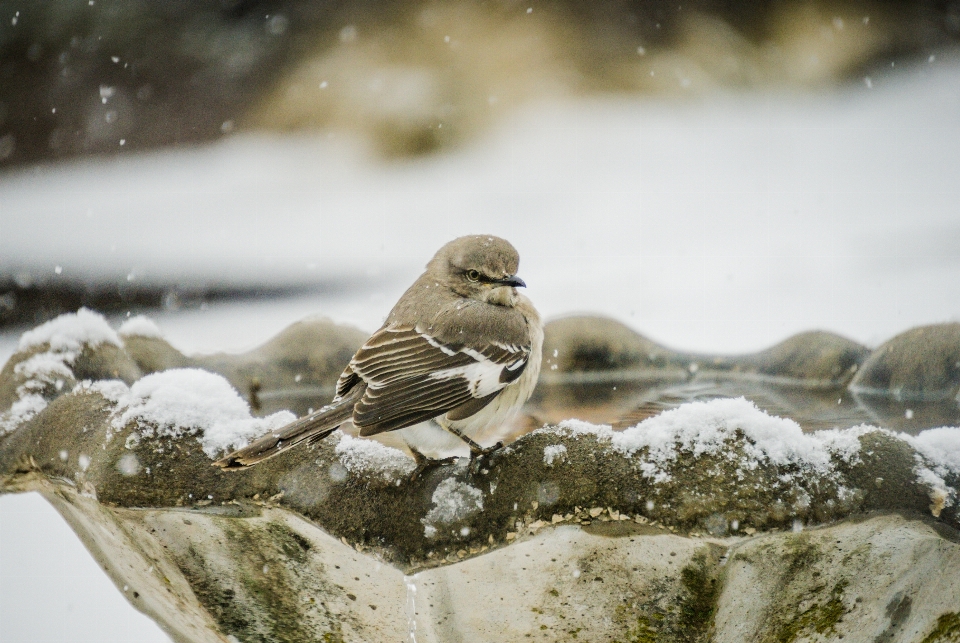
(186, 401)
(704, 427)
(70, 331)
(140, 326)
(65, 336)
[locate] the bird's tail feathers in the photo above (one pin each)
(310, 428)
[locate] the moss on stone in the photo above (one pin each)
(701, 581)
(290, 542)
(271, 592)
(802, 553)
(947, 629)
(819, 618)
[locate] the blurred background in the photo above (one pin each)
(716, 175)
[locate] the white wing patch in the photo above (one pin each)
(482, 377)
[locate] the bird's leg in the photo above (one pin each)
(476, 451)
(424, 463)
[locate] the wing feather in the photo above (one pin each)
(410, 377)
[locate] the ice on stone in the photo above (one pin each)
(187, 401)
(453, 501)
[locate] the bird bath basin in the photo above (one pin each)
(695, 516)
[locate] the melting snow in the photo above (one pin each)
(186, 401)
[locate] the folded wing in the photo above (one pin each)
(411, 377)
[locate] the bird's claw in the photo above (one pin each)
(424, 463)
(484, 452)
(479, 455)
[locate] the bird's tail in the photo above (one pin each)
(310, 428)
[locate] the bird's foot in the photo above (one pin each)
(479, 455)
(476, 451)
(424, 463)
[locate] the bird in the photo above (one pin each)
(460, 349)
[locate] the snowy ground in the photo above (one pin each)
(723, 225)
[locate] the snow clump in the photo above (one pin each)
(941, 447)
(68, 333)
(939, 457)
(187, 401)
(360, 456)
(554, 453)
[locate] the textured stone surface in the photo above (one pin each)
(882, 579)
(258, 572)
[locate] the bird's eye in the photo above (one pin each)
(473, 275)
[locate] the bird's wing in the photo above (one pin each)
(411, 377)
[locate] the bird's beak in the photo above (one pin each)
(515, 282)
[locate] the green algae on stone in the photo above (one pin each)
(258, 598)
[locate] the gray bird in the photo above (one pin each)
(460, 348)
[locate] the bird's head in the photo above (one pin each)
(481, 267)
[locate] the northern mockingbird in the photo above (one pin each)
(461, 347)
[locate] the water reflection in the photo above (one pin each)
(625, 403)
(628, 399)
